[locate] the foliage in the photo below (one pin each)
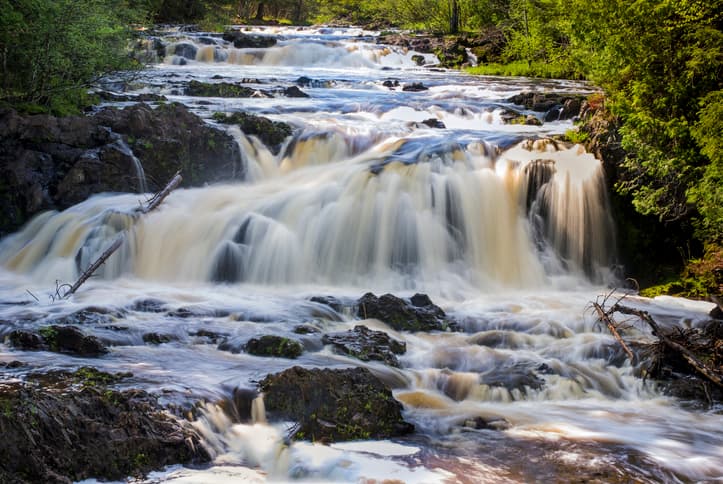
(525, 69)
(52, 50)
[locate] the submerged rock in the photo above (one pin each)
(334, 405)
(420, 314)
(277, 346)
(367, 345)
(59, 339)
(271, 133)
(64, 427)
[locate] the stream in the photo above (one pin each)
(509, 232)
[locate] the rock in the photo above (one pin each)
(334, 303)
(148, 306)
(334, 405)
(481, 423)
(557, 106)
(271, 133)
(65, 427)
(246, 41)
(276, 346)
(157, 338)
(434, 123)
(367, 345)
(391, 83)
(239, 407)
(415, 87)
(218, 89)
(185, 50)
(59, 339)
(306, 329)
(143, 97)
(293, 91)
(418, 59)
(401, 315)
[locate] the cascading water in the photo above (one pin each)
(378, 189)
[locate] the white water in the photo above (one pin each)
(511, 236)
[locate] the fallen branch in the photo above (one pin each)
(153, 203)
(710, 373)
(605, 318)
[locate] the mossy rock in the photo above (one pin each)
(276, 346)
(367, 345)
(59, 339)
(419, 314)
(271, 133)
(334, 405)
(218, 89)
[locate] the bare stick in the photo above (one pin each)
(605, 318)
(158, 198)
(710, 373)
(152, 204)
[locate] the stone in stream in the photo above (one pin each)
(419, 314)
(415, 87)
(65, 427)
(59, 339)
(247, 41)
(271, 133)
(293, 91)
(367, 345)
(275, 346)
(334, 405)
(218, 89)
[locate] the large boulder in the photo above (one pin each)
(271, 133)
(417, 314)
(367, 345)
(334, 405)
(218, 89)
(66, 427)
(60, 339)
(51, 163)
(248, 41)
(272, 345)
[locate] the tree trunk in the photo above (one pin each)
(260, 11)
(454, 17)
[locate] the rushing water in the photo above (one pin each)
(508, 231)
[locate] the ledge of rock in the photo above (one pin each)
(367, 345)
(417, 314)
(334, 405)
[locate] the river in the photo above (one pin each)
(508, 232)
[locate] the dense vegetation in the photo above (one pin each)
(659, 62)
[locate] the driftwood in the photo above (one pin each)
(153, 203)
(708, 372)
(605, 318)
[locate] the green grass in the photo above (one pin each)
(523, 69)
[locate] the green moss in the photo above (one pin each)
(576, 136)
(50, 335)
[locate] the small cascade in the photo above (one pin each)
(123, 147)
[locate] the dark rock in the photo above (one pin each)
(276, 346)
(11, 365)
(66, 427)
(415, 87)
(25, 340)
(271, 133)
(185, 50)
(391, 84)
(402, 315)
(293, 91)
(716, 313)
(69, 339)
(480, 423)
(330, 301)
(246, 41)
(218, 89)
(304, 81)
(239, 407)
(418, 59)
(334, 405)
(148, 306)
(89, 315)
(434, 123)
(306, 329)
(367, 345)
(140, 98)
(557, 106)
(157, 338)
(212, 336)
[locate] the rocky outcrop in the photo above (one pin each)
(60, 339)
(556, 106)
(64, 427)
(334, 405)
(218, 89)
(419, 314)
(271, 133)
(50, 163)
(276, 346)
(366, 345)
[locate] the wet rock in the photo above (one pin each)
(434, 123)
(306, 329)
(196, 312)
(481, 423)
(512, 378)
(66, 427)
(148, 306)
(59, 339)
(557, 106)
(276, 346)
(304, 81)
(185, 50)
(293, 91)
(402, 315)
(157, 338)
(415, 87)
(239, 406)
(391, 83)
(218, 89)
(271, 133)
(90, 315)
(211, 336)
(334, 405)
(418, 59)
(247, 41)
(139, 98)
(334, 303)
(11, 365)
(367, 345)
